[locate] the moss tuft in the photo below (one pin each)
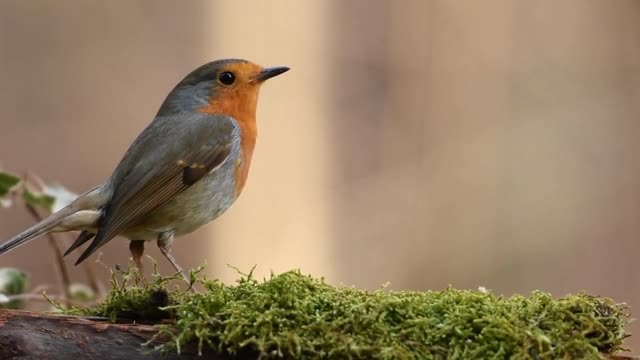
(291, 315)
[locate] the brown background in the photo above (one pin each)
(424, 143)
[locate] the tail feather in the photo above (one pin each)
(81, 239)
(72, 217)
(37, 230)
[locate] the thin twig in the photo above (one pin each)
(62, 267)
(94, 284)
(89, 269)
(88, 266)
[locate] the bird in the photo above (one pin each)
(186, 168)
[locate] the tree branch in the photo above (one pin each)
(29, 335)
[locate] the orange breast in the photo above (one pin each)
(247, 144)
(242, 107)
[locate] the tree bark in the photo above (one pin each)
(28, 335)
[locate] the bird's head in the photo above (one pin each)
(229, 87)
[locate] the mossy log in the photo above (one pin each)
(29, 335)
(295, 316)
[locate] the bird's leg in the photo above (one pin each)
(137, 249)
(164, 243)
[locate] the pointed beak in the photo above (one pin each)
(268, 73)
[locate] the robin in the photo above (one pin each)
(184, 170)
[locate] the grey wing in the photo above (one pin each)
(172, 154)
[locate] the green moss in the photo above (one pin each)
(292, 315)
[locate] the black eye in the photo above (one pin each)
(227, 78)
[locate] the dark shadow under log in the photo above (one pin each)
(28, 335)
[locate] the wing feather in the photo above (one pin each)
(170, 155)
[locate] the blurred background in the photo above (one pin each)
(424, 143)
